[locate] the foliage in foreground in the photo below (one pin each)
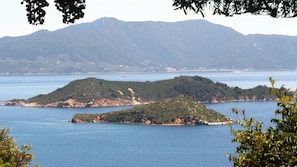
(275, 146)
(10, 154)
(6, 164)
(236, 7)
(72, 10)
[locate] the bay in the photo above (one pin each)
(56, 142)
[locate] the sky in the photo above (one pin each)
(14, 22)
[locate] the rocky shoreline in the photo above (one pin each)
(72, 103)
(175, 122)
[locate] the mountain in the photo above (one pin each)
(111, 45)
(93, 92)
(170, 111)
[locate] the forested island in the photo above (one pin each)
(93, 92)
(170, 111)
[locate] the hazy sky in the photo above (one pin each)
(14, 22)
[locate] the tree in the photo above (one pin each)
(274, 147)
(6, 164)
(71, 9)
(10, 154)
(286, 8)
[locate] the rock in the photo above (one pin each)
(77, 120)
(147, 122)
(178, 121)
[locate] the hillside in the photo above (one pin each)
(111, 45)
(172, 111)
(93, 92)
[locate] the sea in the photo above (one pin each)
(59, 143)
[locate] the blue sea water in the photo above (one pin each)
(56, 142)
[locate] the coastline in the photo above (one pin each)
(72, 103)
(175, 123)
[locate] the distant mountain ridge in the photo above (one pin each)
(111, 45)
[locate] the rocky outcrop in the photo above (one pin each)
(14, 102)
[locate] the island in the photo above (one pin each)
(94, 92)
(169, 111)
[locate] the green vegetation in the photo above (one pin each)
(277, 145)
(196, 88)
(72, 10)
(6, 164)
(176, 110)
(10, 154)
(237, 7)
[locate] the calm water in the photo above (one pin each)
(56, 142)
